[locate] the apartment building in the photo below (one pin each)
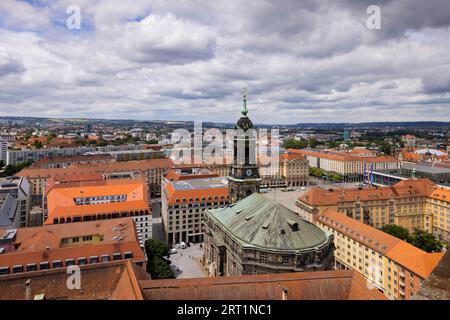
(105, 199)
(67, 161)
(3, 150)
(14, 202)
(395, 267)
(183, 202)
(411, 204)
(153, 169)
(62, 245)
(18, 156)
(291, 170)
(350, 166)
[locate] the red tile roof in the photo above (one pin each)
(318, 285)
(417, 261)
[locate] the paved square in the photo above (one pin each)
(188, 262)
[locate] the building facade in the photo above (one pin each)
(15, 202)
(412, 204)
(153, 170)
(59, 246)
(351, 167)
(395, 267)
(183, 202)
(72, 202)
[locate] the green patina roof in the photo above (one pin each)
(257, 221)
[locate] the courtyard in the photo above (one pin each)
(186, 263)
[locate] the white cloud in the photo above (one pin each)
(302, 61)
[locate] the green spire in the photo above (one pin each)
(244, 110)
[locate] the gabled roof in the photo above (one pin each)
(403, 253)
(260, 222)
(403, 189)
(116, 280)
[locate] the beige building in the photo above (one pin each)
(183, 201)
(153, 169)
(350, 166)
(292, 170)
(411, 204)
(395, 267)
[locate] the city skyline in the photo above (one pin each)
(157, 60)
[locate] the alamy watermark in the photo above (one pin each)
(73, 21)
(374, 20)
(213, 146)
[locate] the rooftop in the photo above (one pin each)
(126, 166)
(437, 286)
(196, 188)
(403, 189)
(101, 196)
(259, 222)
(344, 157)
(44, 244)
(113, 281)
(410, 257)
(318, 285)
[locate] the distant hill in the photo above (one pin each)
(172, 123)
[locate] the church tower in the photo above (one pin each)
(243, 175)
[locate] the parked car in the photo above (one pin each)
(172, 251)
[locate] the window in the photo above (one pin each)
(262, 257)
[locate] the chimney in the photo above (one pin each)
(28, 289)
(284, 293)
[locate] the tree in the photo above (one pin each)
(37, 144)
(420, 239)
(334, 177)
(397, 231)
(426, 241)
(333, 144)
(12, 169)
(157, 265)
(156, 248)
(316, 172)
(161, 269)
(292, 143)
(2, 163)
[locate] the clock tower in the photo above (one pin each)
(243, 174)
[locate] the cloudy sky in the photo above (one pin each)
(302, 61)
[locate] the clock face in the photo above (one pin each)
(248, 172)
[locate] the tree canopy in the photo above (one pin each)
(157, 265)
(420, 239)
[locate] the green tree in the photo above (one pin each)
(292, 143)
(426, 241)
(161, 269)
(12, 169)
(157, 265)
(50, 137)
(334, 177)
(397, 231)
(333, 144)
(37, 144)
(156, 248)
(316, 172)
